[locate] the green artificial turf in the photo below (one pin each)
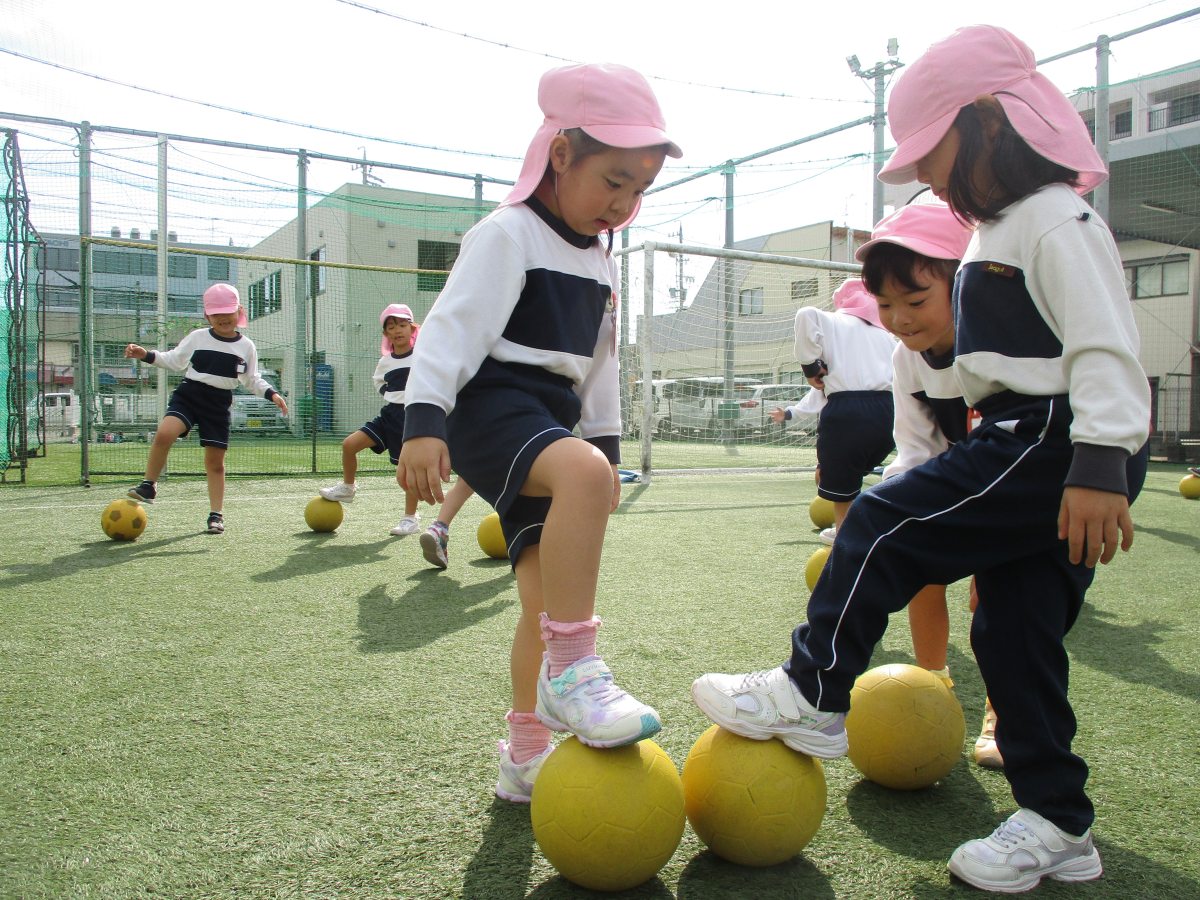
(276, 713)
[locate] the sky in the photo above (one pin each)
(452, 87)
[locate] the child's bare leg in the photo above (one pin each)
(214, 471)
(169, 431)
(840, 508)
(354, 444)
(458, 495)
(579, 480)
(929, 622)
(525, 661)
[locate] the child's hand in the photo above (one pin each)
(778, 415)
(280, 402)
(133, 351)
(424, 465)
(818, 381)
(1090, 519)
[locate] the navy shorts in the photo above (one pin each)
(387, 431)
(201, 405)
(853, 437)
(503, 419)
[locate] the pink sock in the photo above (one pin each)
(567, 642)
(527, 736)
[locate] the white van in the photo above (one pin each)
(692, 407)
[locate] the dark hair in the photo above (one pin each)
(887, 260)
(1017, 168)
(583, 144)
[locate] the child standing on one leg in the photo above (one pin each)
(215, 360)
(528, 320)
(847, 355)
(384, 433)
(909, 266)
(1046, 351)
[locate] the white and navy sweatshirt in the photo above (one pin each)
(213, 360)
(930, 411)
(1041, 309)
(857, 354)
(525, 289)
(391, 376)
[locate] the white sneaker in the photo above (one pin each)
(516, 779)
(408, 525)
(339, 493)
(1025, 849)
(763, 705)
(828, 535)
(584, 701)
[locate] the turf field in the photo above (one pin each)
(276, 713)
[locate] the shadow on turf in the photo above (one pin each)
(1129, 652)
(436, 606)
(313, 556)
(1183, 539)
(97, 555)
(710, 877)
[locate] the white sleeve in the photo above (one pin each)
(468, 317)
(1076, 272)
(917, 435)
(599, 392)
(381, 369)
(252, 379)
(178, 357)
(809, 335)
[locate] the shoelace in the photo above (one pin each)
(1009, 834)
(602, 689)
(755, 679)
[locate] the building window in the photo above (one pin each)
(62, 298)
(1122, 124)
(805, 289)
(121, 262)
(1157, 279)
(185, 306)
(316, 274)
(216, 269)
(1185, 109)
(181, 266)
(266, 296)
(750, 302)
(435, 255)
(62, 259)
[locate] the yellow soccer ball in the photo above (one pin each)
(821, 512)
(323, 515)
(754, 803)
(124, 520)
(905, 727)
(1190, 487)
(491, 537)
(607, 819)
(814, 566)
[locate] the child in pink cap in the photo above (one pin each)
(909, 266)
(847, 355)
(1034, 496)
(526, 331)
(384, 433)
(214, 360)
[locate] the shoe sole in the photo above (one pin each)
(429, 549)
(336, 499)
(511, 798)
(802, 740)
(134, 495)
(651, 725)
(1081, 868)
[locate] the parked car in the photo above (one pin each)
(755, 410)
(692, 407)
(258, 414)
(635, 415)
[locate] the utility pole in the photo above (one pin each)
(367, 177)
(878, 74)
(679, 292)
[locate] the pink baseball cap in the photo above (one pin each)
(224, 298)
(612, 103)
(977, 60)
(853, 299)
(930, 229)
(395, 311)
